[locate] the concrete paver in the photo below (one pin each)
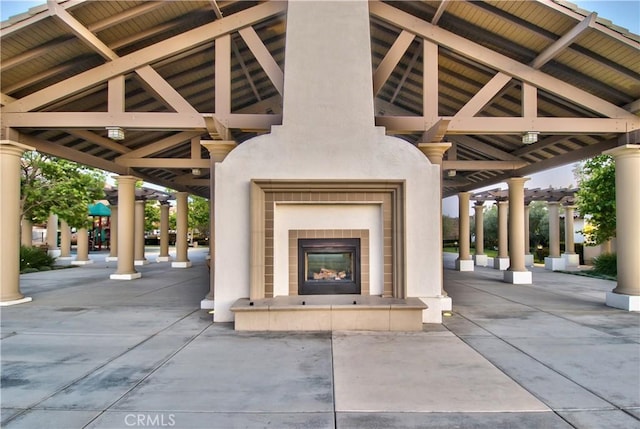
(97, 353)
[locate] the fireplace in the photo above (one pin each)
(328, 266)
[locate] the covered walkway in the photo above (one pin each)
(98, 353)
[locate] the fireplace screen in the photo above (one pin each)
(328, 266)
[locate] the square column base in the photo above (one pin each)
(141, 262)
(464, 264)
(571, 260)
(623, 302)
(16, 301)
(501, 263)
(528, 260)
(111, 259)
(554, 264)
(481, 260)
(435, 306)
(207, 304)
(177, 264)
(518, 277)
(82, 262)
(54, 253)
(131, 276)
(163, 259)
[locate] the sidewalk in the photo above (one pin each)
(98, 353)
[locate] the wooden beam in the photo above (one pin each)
(166, 92)
(160, 145)
(87, 37)
(436, 133)
(72, 155)
(430, 88)
(223, 75)
(99, 140)
(563, 42)
(500, 125)
(98, 120)
(483, 148)
(264, 58)
(482, 165)
(115, 97)
(151, 54)
(441, 8)
(484, 96)
(391, 60)
(168, 163)
(495, 60)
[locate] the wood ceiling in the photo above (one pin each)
(174, 73)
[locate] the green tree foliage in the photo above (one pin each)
(53, 185)
(538, 224)
(151, 215)
(198, 214)
(449, 228)
(596, 198)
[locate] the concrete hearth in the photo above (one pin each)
(328, 313)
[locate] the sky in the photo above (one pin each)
(624, 13)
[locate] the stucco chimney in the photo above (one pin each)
(328, 65)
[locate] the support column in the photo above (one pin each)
(501, 262)
(126, 209)
(138, 254)
(26, 233)
(164, 233)
(554, 262)
(65, 241)
(627, 293)
(113, 234)
(480, 258)
(571, 258)
(517, 272)
(182, 226)
(435, 152)
(528, 257)
(82, 252)
(464, 261)
(52, 235)
(10, 155)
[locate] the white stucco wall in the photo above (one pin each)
(326, 216)
(327, 133)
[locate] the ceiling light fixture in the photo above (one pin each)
(530, 137)
(196, 171)
(115, 133)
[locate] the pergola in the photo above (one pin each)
(161, 90)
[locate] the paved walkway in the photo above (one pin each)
(97, 353)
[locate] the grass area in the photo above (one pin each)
(589, 273)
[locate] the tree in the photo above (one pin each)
(53, 185)
(538, 224)
(596, 198)
(198, 213)
(151, 215)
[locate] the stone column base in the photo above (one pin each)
(623, 302)
(528, 260)
(518, 277)
(89, 262)
(111, 259)
(141, 262)
(163, 259)
(54, 253)
(65, 258)
(571, 260)
(554, 264)
(464, 264)
(131, 276)
(16, 301)
(207, 304)
(481, 260)
(176, 264)
(435, 306)
(501, 263)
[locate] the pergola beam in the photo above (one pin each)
(264, 58)
(168, 163)
(563, 42)
(391, 60)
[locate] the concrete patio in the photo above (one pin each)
(90, 352)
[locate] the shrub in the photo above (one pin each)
(33, 258)
(606, 264)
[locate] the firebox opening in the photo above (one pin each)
(328, 266)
